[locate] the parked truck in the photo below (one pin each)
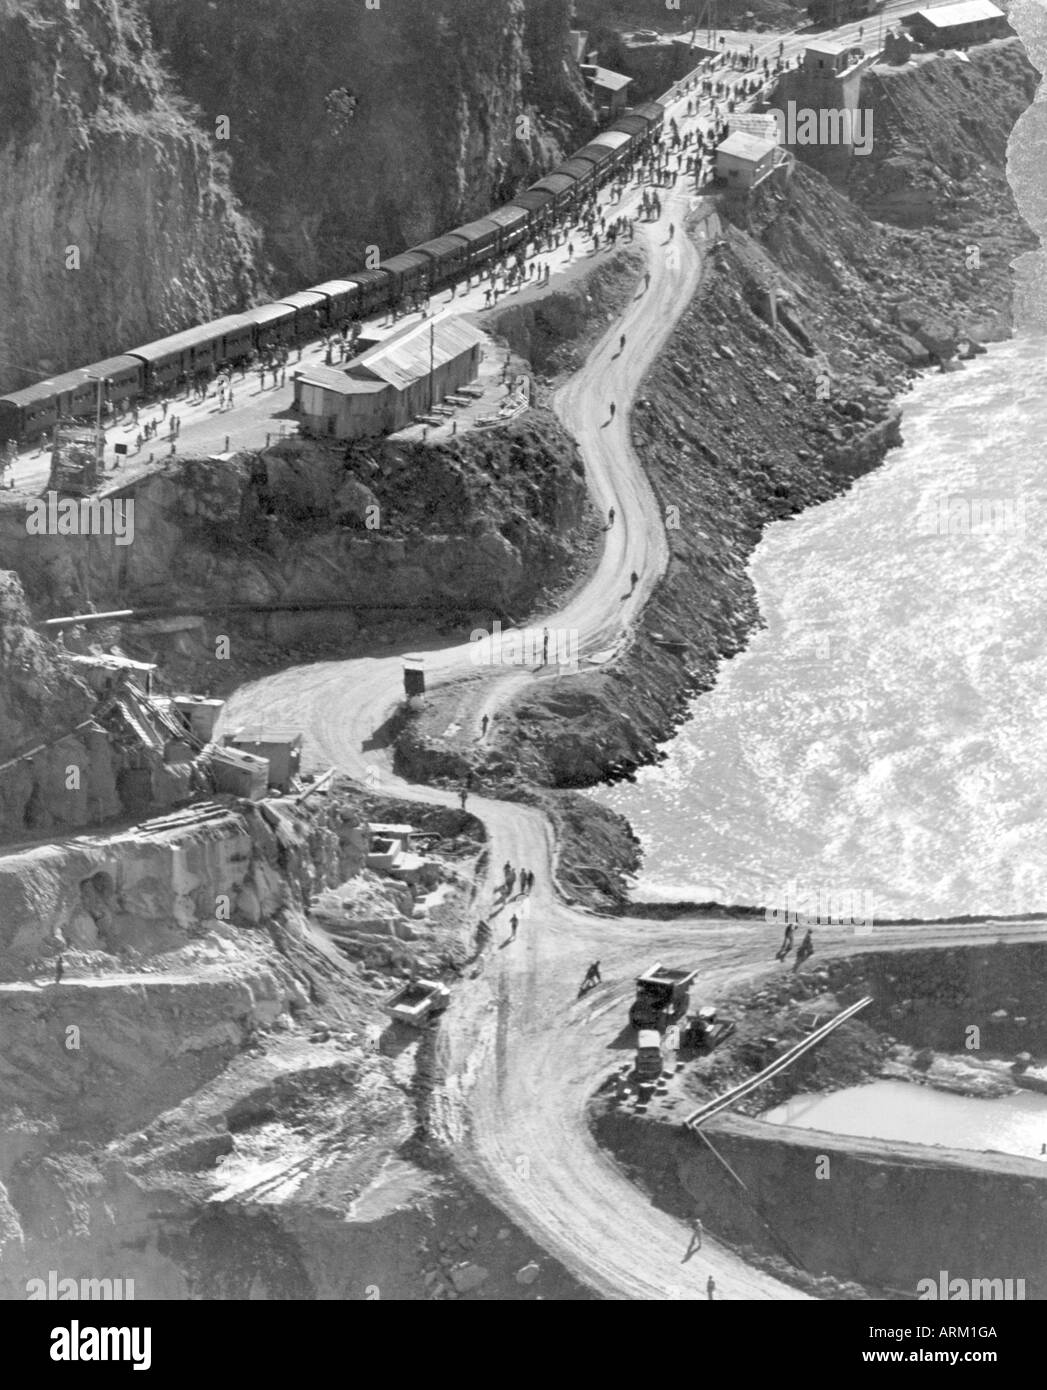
(417, 1002)
(662, 996)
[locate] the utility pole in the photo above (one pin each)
(432, 362)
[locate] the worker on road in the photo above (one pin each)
(806, 948)
(592, 975)
(710, 1287)
(787, 942)
(610, 517)
(621, 343)
(514, 922)
(59, 969)
(697, 1231)
(612, 410)
(483, 726)
(634, 579)
(463, 796)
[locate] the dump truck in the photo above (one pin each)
(662, 996)
(417, 1002)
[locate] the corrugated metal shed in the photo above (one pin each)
(331, 379)
(965, 12)
(748, 147)
(407, 356)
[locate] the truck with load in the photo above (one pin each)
(417, 1002)
(662, 996)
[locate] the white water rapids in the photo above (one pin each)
(886, 734)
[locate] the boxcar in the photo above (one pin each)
(583, 171)
(342, 297)
(481, 240)
(514, 223)
(124, 377)
(653, 112)
(449, 255)
(310, 312)
(273, 323)
(29, 413)
(189, 353)
(375, 290)
(409, 273)
(563, 187)
(616, 144)
(538, 203)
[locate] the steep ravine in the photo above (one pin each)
(117, 221)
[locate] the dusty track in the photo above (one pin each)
(520, 1056)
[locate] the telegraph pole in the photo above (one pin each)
(432, 362)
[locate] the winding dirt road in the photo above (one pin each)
(520, 1055)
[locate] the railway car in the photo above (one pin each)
(514, 222)
(124, 377)
(538, 203)
(653, 112)
(563, 187)
(375, 291)
(409, 273)
(583, 171)
(310, 313)
(450, 257)
(273, 324)
(618, 145)
(194, 351)
(481, 240)
(29, 413)
(342, 298)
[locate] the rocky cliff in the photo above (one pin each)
(353, 126)
(116, 222)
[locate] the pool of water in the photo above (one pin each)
(919, 1115)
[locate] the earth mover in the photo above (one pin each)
(662, 996)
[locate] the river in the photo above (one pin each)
(884, 738)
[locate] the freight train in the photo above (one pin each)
(156, 369)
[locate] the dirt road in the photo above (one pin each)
(520, 1054)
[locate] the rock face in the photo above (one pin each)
(354, 125)
(117, 224)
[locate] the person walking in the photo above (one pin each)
(463, 796)
(621, 343)
(514, 923)
(787, 942)
(806, 949)
(59, 969)
(610, 517)
(612, 410)
(710, 1287)
(483, 726)
(634, 579)
(695, 1243)
(545, 646)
